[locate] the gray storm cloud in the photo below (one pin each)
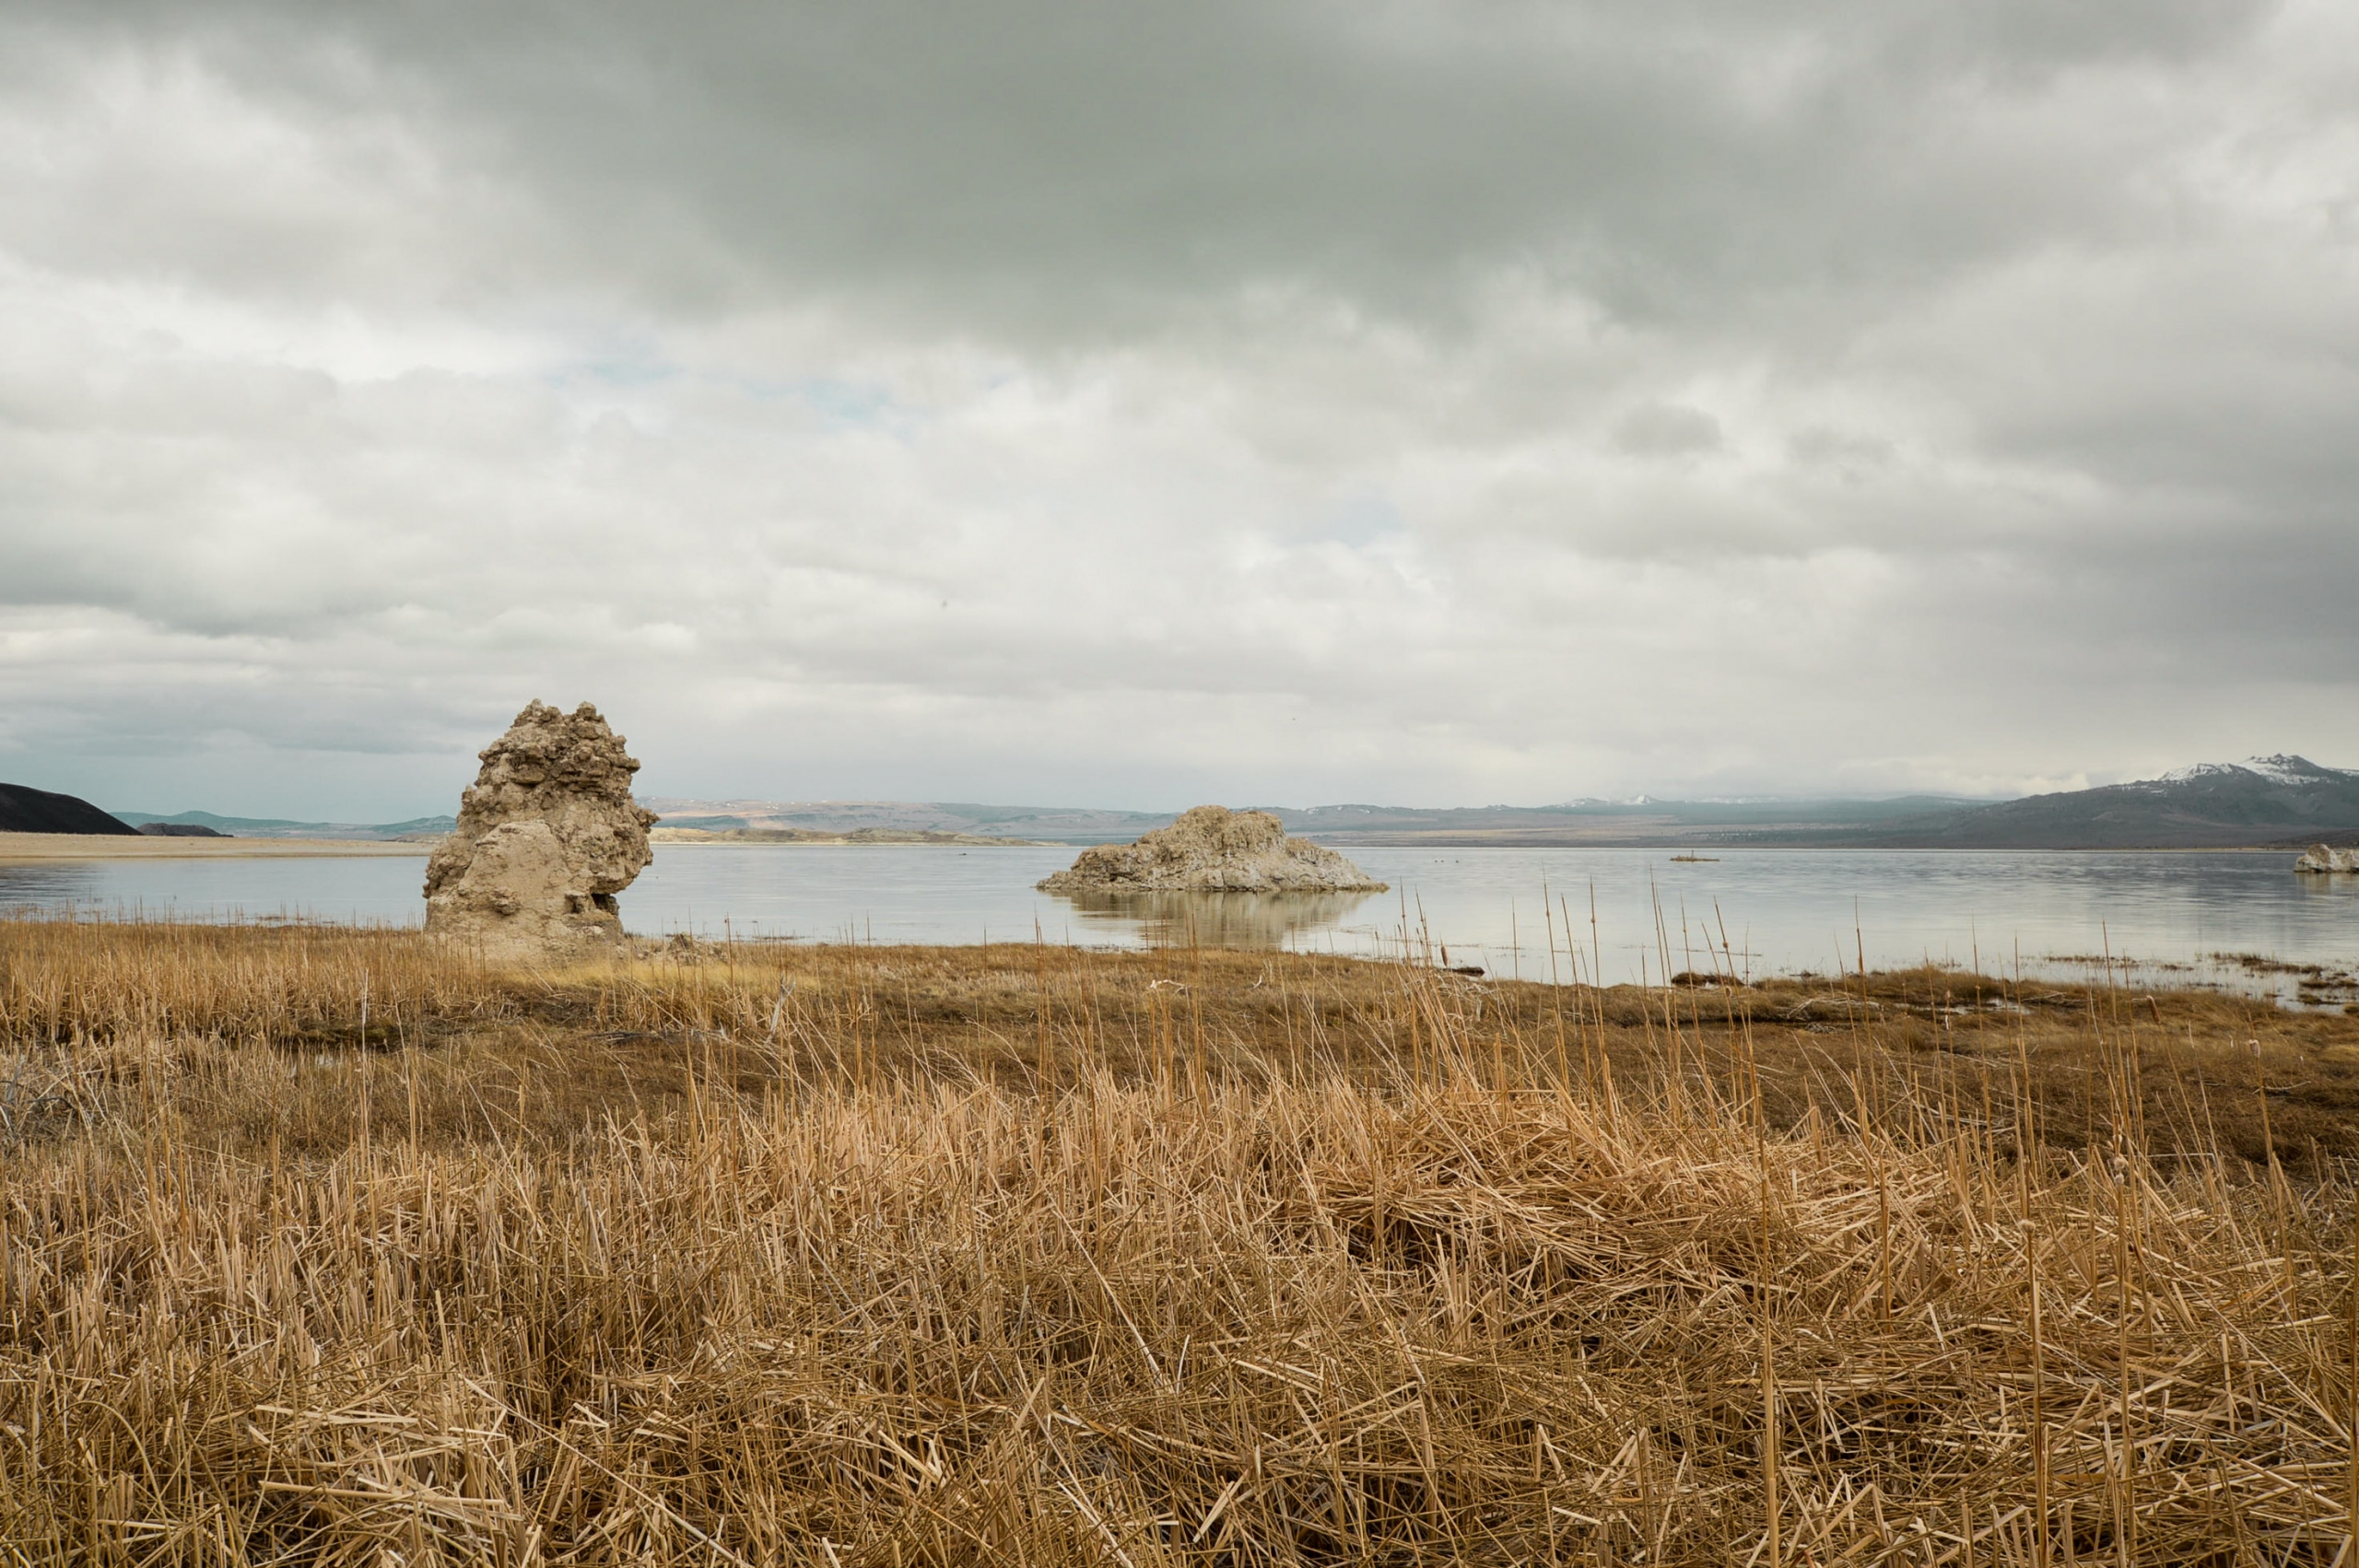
(1138, 404)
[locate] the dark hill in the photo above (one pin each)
(24, 809)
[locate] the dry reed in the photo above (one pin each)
(326, 1247)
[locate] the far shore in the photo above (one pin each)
(19, 847)
(859, 838)
(116, 846)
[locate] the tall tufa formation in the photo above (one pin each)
(548, 835)
(2325, 858)
(1213, 850)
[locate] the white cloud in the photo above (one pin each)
(1297, 403)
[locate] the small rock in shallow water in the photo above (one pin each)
(1213, 850)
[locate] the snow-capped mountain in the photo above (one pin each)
(2295, 772)
(2264, 799)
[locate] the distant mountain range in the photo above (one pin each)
(2271, 802)
(2268, 802)
(1584, 820)
(1060, 825)
(1575, 822)
(1638, 823)
(285, 827)
(2264, 802)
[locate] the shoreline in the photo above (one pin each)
(115, 847)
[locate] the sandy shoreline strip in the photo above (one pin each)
(111, 847)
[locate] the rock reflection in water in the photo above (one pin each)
(2334, 886)
(1217, 920)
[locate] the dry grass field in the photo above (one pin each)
(326, 1246)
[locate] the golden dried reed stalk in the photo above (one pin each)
(793, 1260)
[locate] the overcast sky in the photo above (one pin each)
(1291, 400)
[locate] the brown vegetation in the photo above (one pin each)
(329, 1246)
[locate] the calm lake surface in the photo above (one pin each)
(1782, 911)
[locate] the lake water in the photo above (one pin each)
(1781, 911)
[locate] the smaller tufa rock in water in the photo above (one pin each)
(548, 835)
(2323, 859)
(1213, 850)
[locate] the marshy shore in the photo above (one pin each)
(323, 1245)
